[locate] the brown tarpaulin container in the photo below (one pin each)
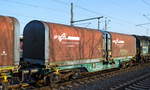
(56, 42)
(123, 45)
(74, 43)
(9, 41)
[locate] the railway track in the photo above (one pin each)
(91, 80)
(140, 83)
(86, 80)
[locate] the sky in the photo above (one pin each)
(122, 16)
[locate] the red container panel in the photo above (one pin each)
(123, 45)
(73, 43)
(6, 41)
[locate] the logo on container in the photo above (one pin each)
(3, 53)
(65, 37)
(117, 41)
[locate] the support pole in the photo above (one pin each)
(71, 21)
(98, 18)
(98, 26)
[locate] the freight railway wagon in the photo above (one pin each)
(67, 50)
(69, 47)
(143, 48)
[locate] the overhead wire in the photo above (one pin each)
(65, 3)
(60, 2)
(94, 12)
(30, 5)
(145, 2)
(146, 16)
(30, 17)
(114, 19)
(34, 6)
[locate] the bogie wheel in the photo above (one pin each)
(123, 65)
(46, 80)
(75, 75)
(51, 79)
(55, 78)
